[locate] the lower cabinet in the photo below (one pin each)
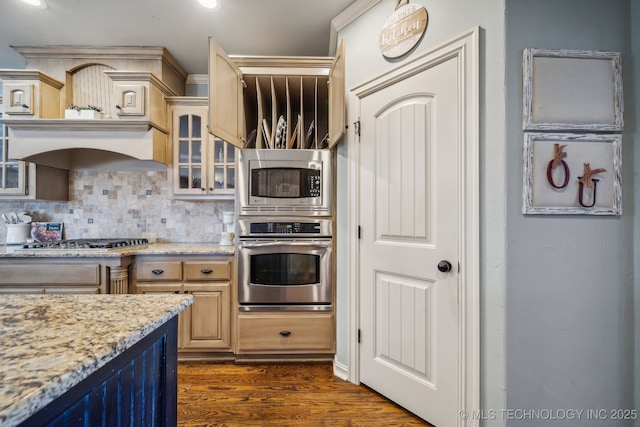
(33, 275)
(294, 333)
(204, 327)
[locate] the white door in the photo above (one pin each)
(410, 221)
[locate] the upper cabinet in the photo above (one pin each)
(204, 167)
(276, 102)
(128, 85)
(27, 181)
(225, 97)
(30, 94)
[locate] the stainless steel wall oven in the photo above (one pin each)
(285, 264)
(285, 231)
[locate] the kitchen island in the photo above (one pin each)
(76, 357)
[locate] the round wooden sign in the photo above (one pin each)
(403, 30)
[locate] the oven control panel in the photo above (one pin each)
(284, 227)
(256, 227)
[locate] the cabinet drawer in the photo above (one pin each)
(285, 333)
(159, 271)
(72, 290)
(51, 274)
(211, 270)
(21, 290)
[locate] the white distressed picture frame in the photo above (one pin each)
(572, 90)
(598, 150)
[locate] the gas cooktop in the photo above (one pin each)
(86, 244)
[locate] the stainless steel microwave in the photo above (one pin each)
(285, 182)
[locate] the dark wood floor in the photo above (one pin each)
(283, 395)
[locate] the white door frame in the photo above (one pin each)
(466, 48)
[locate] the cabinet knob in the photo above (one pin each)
(157, 272)
(25, 106)
(186, 291)
(285, 333)
(206, 271)
(118, 107)
(176, 292)
(203, 189)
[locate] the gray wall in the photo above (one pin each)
(569, 279)
(447, 19)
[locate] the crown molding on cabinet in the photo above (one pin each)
(305, 65)
(98, 125)
(188, 101)
(103, 52)
(30, 75)
(197, 79)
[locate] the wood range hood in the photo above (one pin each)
(128, 84)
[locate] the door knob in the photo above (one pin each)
(444, 266)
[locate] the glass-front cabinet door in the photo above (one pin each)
(203, 165)
(12, 172)
(224, 165)
(190, 153)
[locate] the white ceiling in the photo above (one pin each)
(241, 27)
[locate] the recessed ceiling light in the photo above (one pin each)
(37, 3)
(211, 4)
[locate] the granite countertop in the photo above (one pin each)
(185, 249)
(49, 343)
(150, 249)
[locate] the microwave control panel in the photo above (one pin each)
(314, 186)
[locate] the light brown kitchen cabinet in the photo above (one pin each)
(208, 320)
(63, 275)
(204, 167)
(276, 102)
(21, 180)
(294, 333)
(127, 83)
(30, 93)
(204, 327)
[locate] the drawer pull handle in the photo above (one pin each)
(285, 333)
(186, 292)
(157, 272)
(206, 271)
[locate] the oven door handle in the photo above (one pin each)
(256, 245)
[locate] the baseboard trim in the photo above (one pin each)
(340, 370)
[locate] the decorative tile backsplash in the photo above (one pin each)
(127, 204)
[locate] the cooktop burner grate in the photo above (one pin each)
(86, 244)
